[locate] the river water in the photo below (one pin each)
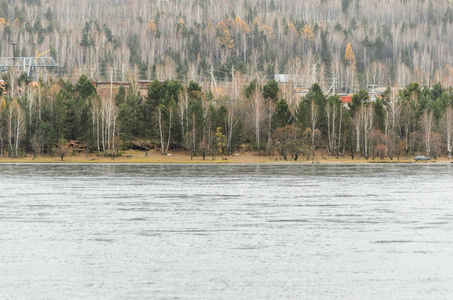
(226, 231)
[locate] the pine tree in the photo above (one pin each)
(282, 115)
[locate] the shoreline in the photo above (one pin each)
(138, 157)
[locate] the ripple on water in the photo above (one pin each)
(226, 231)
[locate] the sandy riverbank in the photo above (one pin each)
(133, 156)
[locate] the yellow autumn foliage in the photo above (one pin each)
(181, 25)
(269, 32)
(222, 26)
(307, 32)
(256, 22)
(229, 23)
(293, 29)
(151, 26)
(2, 104)
(237, 21)
(244, 27)
(226, 40)
(349, 55)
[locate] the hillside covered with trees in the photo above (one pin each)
(387, 42)
(209, 69)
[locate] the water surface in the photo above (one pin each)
(226, 231)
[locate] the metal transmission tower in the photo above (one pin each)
(29, 64)
(372, 91)
(333, 87)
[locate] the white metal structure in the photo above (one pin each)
(29, 64)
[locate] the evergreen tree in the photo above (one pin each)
(271, 90)
(84, 87)
(380, 114)
(282, 115)
(326, 57)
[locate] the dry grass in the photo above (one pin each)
(134, 156)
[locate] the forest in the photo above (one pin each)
(210, 68)
(41, 118)
(390, 42)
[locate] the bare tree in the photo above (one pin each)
(35, 143)
(448, 121)
(162, 125)
(427, 123)
(257, 107)
(16, 126)
(62, 148)
(339, 128)
(357, 122)
(161, 129)
(183, 107)
(332, 109)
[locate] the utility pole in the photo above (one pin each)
(14, 52)
(14, 48)
(111, 84)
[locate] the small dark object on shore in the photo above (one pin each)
(421, 157)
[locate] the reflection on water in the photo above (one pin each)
(226, 231)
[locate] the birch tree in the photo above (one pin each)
(448, 121)
(427, 125)
(16, 126)
(357, 122)
(257, 107)
(2, 127)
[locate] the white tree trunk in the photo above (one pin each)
(339, 127)
(170, 113)
(159, 118)
(449, 129)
